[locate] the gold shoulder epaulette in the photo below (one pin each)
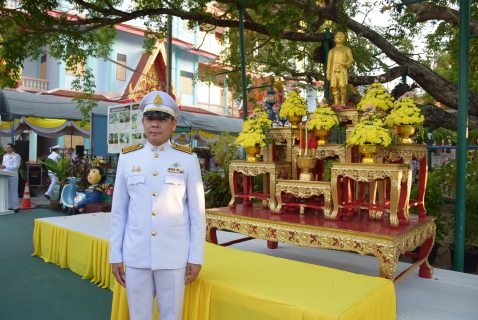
(132, 148)
(182, 148)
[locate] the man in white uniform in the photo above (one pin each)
(54, 155)
(11, 162)
(158, 216)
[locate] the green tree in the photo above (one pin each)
(283, 38)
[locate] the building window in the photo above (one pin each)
(186, 82)
(121, 71)
(43, 67)
(79, 69)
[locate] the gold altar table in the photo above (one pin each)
(272, 171)
(400, 183)
(239, 285)
(406, 153)
(359, 234)
(303, 190)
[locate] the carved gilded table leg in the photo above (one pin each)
(335, 197)
(388, 261)
(233, 188)
(372, 194)
(272, 187)
(279, 200)
(395, 189)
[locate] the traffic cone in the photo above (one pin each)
(26, 203)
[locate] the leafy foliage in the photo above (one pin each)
(61, 168)
(433, 203)
(218, 193)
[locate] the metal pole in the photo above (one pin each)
(169, 67)
(326, 57)
(461, 152)
(243, 59)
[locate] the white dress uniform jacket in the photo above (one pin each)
(158, 217)
(12, 162)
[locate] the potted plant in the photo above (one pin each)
(378, 97)
(294, 107)
(61, 169)
(254, 134)
(405, 117)
(447, 174)
(369, 134)
(323, 119)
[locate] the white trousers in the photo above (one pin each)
(53, 180)
(142, 285)
(12, 193)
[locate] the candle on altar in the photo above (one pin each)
(306, 138)
(300, 139)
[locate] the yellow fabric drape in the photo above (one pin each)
(238, 285)
(45, 123)
(8, 125)
(234, 284)
(85, 127)
(83, 254)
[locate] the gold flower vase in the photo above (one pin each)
(322, 135)
(252, 153)
(295, 120)
(405, 131)
(306, 164)
(368, 151)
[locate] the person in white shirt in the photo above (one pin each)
(11, 162)
(158, 224)
(54, 155)
(73, 155)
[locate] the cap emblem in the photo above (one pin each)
(157, 100)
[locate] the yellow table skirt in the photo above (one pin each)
(84, 254)
(234, 284)
(238, 285)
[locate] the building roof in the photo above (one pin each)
(23, 104)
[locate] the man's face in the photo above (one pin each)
(9, 148)
(158, 130)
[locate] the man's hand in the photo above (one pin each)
(118, 271)
(2, 166)
(192, 272)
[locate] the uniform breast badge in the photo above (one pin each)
(176, 168)
(136, 169)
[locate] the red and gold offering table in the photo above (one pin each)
(359, 234)
(303, 190)
(272, 171)
(287, 135)
(400, 182)
(405, 153)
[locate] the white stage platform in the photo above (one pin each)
(448, 295)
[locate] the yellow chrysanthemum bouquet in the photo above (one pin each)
(405, 111)
(294, 105)
(323, 118)
(370, 130)
(255, 130)
(376, 95)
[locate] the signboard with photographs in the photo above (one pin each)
(124, 127)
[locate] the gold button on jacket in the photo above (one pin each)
(154, 213)
(156, 155)
(155, 194)
(153, 233)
